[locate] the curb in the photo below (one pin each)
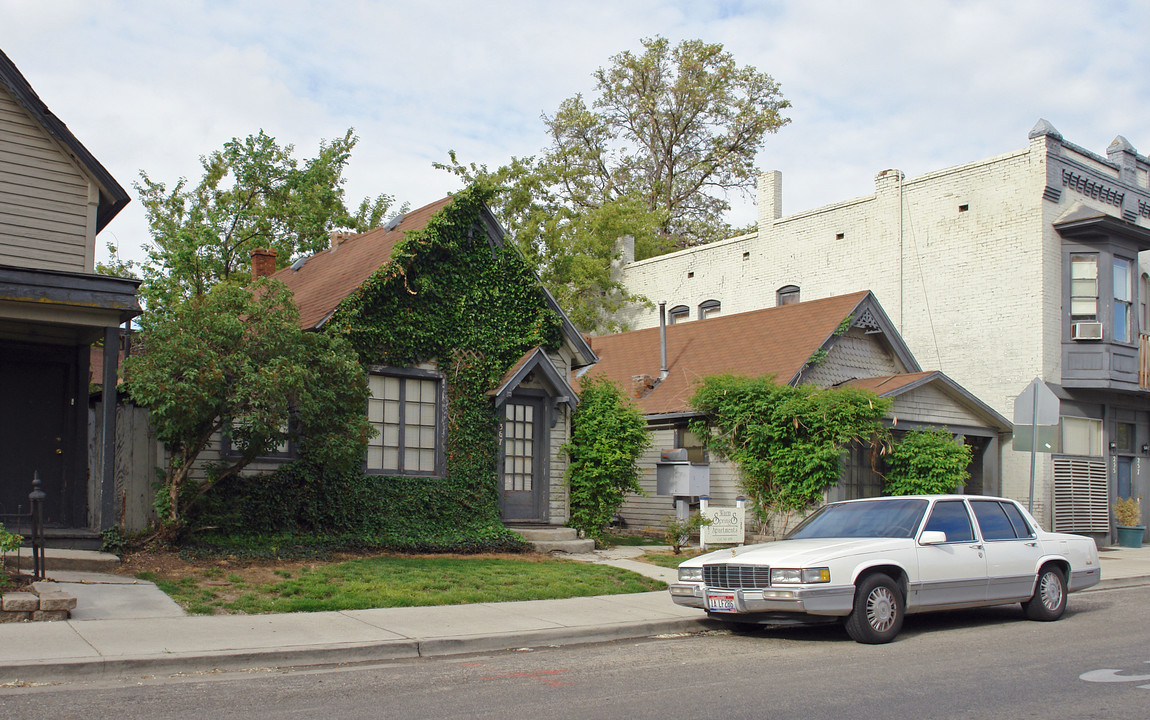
(335, 654)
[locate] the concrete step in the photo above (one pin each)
(62, 559)
(555, 539)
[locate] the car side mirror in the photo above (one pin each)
(932, 537)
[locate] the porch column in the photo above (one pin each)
(108, 422)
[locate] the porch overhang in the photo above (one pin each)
(536, 362)
(55, 307)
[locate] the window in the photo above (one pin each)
(1083, 286)
(787, 295)
(1123, 300)
(677, 314)
(1081, 436)
(992, 520)
(950, 517)
(404, 409)
(1124, 437)
(1143, 295)
(710, 308)
(284, 450)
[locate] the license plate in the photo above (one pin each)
(721, 601)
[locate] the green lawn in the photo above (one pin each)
(393, 581)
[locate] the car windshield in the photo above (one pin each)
(896, 518)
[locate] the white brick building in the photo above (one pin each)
(973, 265)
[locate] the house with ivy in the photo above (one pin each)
(468, 361)
(839, 341)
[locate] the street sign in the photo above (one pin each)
(1036, 405)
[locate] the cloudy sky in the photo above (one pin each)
(916, 85)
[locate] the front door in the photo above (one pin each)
(33, 426)
(523, 481)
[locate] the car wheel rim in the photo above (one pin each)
(1051, 591)
(880, 609)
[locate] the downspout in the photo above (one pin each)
(663, 372)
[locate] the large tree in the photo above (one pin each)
(254, 193)
(670, 133)
(235, 364)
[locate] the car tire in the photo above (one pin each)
(1049, 600)
(878, 610)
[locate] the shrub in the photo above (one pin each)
(927, 462)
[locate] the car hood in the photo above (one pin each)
(800, 553)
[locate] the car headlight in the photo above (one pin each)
(690, 574)
(797, 576)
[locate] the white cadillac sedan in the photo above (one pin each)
(867, 563)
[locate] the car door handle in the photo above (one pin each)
(976, 546)
(1033, 543)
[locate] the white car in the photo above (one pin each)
(867, 563)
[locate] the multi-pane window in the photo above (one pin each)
(1081, 436)
(405, 413)
(1123, 299)
(518, 446)
(1084, 286)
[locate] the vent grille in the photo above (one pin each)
(1081, 501)
(737, 577)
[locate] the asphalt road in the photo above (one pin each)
(1094, 663)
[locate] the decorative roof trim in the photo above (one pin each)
(532, 360)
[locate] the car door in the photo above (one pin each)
(1012, 550)
(953, 572)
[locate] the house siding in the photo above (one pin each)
(47, 205)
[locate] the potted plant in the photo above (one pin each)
(1128, 512)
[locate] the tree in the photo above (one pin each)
(670, 133)
(233, 362)
(787, 440)
(927, 462)
(254, 193)
(608, 435)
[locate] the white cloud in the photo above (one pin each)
(917, 85)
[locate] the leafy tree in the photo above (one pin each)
(669, 134)
(254, 193)
(608, 435)
(787, 440)
(927, 462)
(233, 362)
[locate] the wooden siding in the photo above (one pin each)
(930, 405)
(853, 355)
(47, 205)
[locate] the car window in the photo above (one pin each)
(1021, 527)
(992, 520)
(893, 518)
(950, 517)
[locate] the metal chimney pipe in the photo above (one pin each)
(663, 372)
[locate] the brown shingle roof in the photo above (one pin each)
(887, 384)
(776, 341)
(329, 276)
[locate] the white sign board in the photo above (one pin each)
(728, 526)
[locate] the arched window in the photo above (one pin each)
(787, 295)
(677, 314)
(710, 308)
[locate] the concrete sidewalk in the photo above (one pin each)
(124, 628)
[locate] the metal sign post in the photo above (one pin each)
(1036, 406)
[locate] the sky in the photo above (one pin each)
(917, 85)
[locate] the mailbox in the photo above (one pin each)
(683, 472)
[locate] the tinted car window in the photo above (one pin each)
(1021, 527)
(992, 520)
(950, 517)
(873, 518)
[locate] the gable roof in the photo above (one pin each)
(113, 198)
(321, 281)
(895, 385)
(775, 341)
(534, 359)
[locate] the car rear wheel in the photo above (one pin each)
(878, 611)
(1049, 600)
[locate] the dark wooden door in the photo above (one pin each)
(33, 428)
(523, 477)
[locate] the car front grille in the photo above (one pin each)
(736, 577)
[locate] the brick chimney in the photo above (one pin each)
(263, 263)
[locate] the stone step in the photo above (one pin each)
(555, 533)
(62, 559)
(574, 547)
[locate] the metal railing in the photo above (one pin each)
(32, 523)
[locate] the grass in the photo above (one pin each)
(669, 560)
(613, 540)
(393, 581)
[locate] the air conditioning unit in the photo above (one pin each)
(1086, 331)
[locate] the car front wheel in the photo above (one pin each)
(1049, 600)
(878, 611)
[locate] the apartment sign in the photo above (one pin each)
(728, 526)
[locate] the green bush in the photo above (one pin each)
(608, 435)
(927, 462)
(9, 541)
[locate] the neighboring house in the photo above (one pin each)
(858, 347)
(378, 281)
(1023, 265)
(54, 198)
